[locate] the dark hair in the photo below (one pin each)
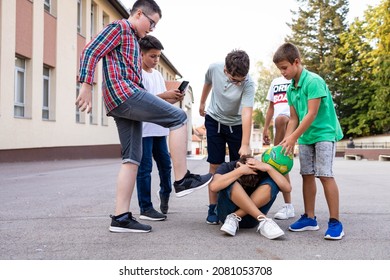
(288, 52)
(150, 42)
(149, 7)
(250, 180)
(237, 63)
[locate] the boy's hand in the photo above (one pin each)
(256, 164)
(202, 111)
(245, 169)
(266, 138)
(172, 96)
(245, 150)
(84, 100)
(288, 145)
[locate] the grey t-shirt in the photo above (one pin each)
(227, 98)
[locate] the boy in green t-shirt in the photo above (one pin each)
(314, 124)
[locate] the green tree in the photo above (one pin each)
(379, 20)
(266, 75)
(315, 31)
(362, 74)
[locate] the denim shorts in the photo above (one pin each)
(317, 159)
(143, 107)
(218, 135)
(225, 205)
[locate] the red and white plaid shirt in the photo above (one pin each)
(118, 45)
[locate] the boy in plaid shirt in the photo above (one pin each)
(129, 104)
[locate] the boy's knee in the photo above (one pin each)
(182, 116)
(281, 121)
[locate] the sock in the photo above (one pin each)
(333, 220)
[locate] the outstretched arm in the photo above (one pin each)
(246, 116)
(205, 93)
(293, 134)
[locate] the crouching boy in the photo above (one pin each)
(246, 189)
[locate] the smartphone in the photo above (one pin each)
(183, 86)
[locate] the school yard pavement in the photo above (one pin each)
(59, 210)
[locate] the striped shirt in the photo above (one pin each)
(118, 45)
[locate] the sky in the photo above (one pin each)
(197, 33)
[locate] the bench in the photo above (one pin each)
(384, 157)
(352, 157)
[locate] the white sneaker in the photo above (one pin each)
(286, 212)
(269, 228)
(230, 225)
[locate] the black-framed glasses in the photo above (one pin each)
(152, 22)
(234, 80)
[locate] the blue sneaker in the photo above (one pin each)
(335, 230)
(304, 223)
(212, 218)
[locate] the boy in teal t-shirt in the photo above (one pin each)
(314, 124)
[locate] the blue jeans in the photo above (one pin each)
(156, 148)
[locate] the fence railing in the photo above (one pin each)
(341, 146)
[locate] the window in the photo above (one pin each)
(79, 16)
(92, 20)
(93, 118)
(47, 5)
(20, 87)
(46, 93)
(103, 113)
(78, 118)
(106, 19)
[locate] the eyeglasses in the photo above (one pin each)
(234, 80)
(152, 22)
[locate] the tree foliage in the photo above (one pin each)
(316, 27)
(362, 74)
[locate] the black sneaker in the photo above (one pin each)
(152, 215)
(164, 204)
(191, 182)
(129, 224)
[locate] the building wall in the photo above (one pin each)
(50, 39)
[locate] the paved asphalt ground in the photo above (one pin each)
(60, 211)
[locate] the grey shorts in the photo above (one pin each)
(143, 107)
(317, 159)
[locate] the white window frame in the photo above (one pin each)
(79, 16)
(20, 104)
(47, 5)
(104, 118)
(93, 6)
(46, 107)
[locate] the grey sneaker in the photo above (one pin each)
(127, 223)
(230, 226)
(191, 182)
(152, 215)
(163, 202)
